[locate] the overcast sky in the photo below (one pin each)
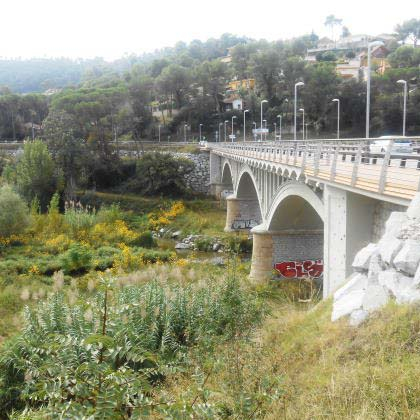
(111, 28)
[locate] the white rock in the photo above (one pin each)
(375, 297)
(389, 248)
(407, 260)
(176, 234)
(358, 281)
(394, 223)
(416, 281)
(362, 258)
(357, 317)
(409, 295)
(395, 283)
(181, 245)
(347, 304)
(375, 267)
(413, 211)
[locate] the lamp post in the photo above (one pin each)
(247, 110)
(185, 132)
(338, 116)
(404, 82)
(262, 102)
(159, 132)
(225, 128)
(265, 127)
(275, 131)
(279, 117)
(200, 130)
(370, 45)
(296, 86)
(232, 127)
(302, 110)
(220, 134)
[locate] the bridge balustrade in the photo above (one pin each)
(347, 162)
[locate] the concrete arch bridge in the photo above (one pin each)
(311, 205)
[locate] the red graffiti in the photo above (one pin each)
(300, 269)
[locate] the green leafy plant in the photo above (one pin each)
(14, 217)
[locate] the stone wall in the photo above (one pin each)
(309, 246)
(199, 179)
(381, 214)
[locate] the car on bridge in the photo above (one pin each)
(400, 145)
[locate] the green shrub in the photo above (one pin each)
(204, 244)
(78, 218)
(149, 256)
(76, 259)
(14, 215)
(103, 357)
(110, 214)
(145, 240)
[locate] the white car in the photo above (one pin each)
(401, 145)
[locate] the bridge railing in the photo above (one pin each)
(351, 162)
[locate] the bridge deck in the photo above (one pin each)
(345, 162)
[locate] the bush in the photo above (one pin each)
(103, 357)
(109, 214)
(14, 215)
(204, 244)
(35, 174)
(145, 240)
(77, 259)
(161, 173)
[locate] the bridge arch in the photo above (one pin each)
(292, 238)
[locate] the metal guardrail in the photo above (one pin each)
(347, 162)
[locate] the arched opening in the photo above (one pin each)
(227, 181)
(247, 212)
(297, 231)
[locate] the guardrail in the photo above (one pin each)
(347, 162)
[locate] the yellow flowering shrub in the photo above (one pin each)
(10, 240)
(110, 233)
(58, 244)
(162, 218)
(34, 270)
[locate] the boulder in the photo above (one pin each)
(181, 245)
(395, 283)
(413, 211)
(389, 247)
(375, 267)
(409, 295)
(394, 223)
(358, 281)
(216, 246)
(347, 304)
(408, 258)
(362, 258)
(416, 281)
(218, 261)
(375, 297)
(357, 317)
(176, 234)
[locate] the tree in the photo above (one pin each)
(177, 80)
(14, 217)
(267, 70)
(345, 32)
(405, 56)
(410, 29)
(161, 173)
(35, 174)
(331, 21)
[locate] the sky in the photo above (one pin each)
(112, 28)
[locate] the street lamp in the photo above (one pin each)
(232, 127)
(296, 86)
(247, 110)
(159, 133)
(220, 134)
(262, 102)
(275, 131)
(279, 117)
(265, 127)
(302, 110)
(338, 116)
(200, 130)
(225, 128)
(185, 132)
(404, 82)
(370, 45)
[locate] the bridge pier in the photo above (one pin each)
(262, 255)
(242, 213)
